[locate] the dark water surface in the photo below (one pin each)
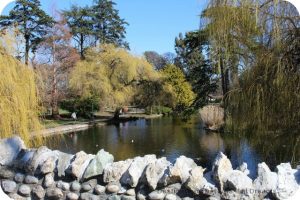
(172, 137)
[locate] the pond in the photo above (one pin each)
(171, 137)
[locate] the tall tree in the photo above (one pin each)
(32, 22)
(191, 59)
(257, 43)
(19, 102)
(58, 57)
(109, 27)
(179, 87)
(81, 24)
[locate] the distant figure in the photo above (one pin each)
(74, 117)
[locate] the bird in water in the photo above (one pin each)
(132, 141)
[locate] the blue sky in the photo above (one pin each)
(153, 24)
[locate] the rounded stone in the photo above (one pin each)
(86, 187)
(89, 196)
(24, 190)
(6, 173)
(72, 196)
(54, 193)
(48, 181)
(157, 195)
(126, 197)
(38, 192)
(99, 189)
(19, 178)
(141, 196)
(8, 186)
(16, 196)
(75, 186)
(112, 188)
(114, 197)
(31, 180)
(63, 185)
(170, 197)
(130, 192)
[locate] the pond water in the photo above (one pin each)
(171, 137)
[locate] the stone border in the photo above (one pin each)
(46, 174)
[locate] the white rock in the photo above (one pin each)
(63, 185)
(24, 190)
(8, 186)
(31, 179)
(97, 165)
(244, 168)
(208, 185)
(114, 171)
(221, 168)
(49, 165)
(48, 180)
(265, 182)
(136, 169)
(155, 171)
(238, 181)
(195, 181)
(12, 147)
(112, 188)
(72, 196)
(181, 170)
(79, 164)
(287, 185)
(99, 189)
(39, 157)
(64, 160)
(157, 195)
(3, 195)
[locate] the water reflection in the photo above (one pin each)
(172, 137)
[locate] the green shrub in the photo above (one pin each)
(83, 107)
(159, 110)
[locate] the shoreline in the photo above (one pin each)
(81, 126)
(52, 174)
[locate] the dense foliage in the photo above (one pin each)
(31, 21)
(97, 24)
(257, 52)
(19, 102)
(111, 74)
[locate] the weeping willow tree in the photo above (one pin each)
(19, 103)
(111, 74)
(255, 46)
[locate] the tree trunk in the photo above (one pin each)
(81, 47)
(117, 114)
(27, 48)
(223, 77)
(55, 111)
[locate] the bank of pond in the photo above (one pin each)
(171, 137)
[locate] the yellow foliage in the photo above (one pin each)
(110, 73)
(19, 107)
(176, 84)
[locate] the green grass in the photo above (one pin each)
(47, 123)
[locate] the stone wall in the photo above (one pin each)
(46, 174)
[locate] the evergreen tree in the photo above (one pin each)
(197, 68)
(32, 22)
(109, 27)
(81, 24)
